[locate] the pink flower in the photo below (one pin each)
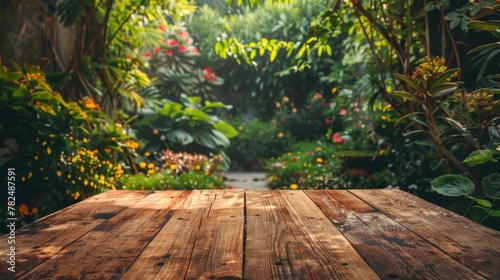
(172, 43)
(156, 50)
(328, 121)
(169, 52)
(211, 78)
(336, 137)
(194, 50)
(182, 49)
(343, 112)
(277, 164)
(147, 55)
(183, 34)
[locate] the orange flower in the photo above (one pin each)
(89, 104)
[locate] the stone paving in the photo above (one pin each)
(247, 180)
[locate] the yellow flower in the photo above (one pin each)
(59, 173)
(89, 104)
(142, 164)
(151, 165)
(173, 167)
(382, 152)
(155, 131)
(294, 110)
(319, 149)
(280, 135)
(147, 154)
(294, 186)
(383, 118)
(49, 151)
(151, 171)
(77, 195)
(132, 144)
(286, 99)
(197, 167)
(82, 169)
(334, 90)
(278, 105)
(240, 128)
(319, 160)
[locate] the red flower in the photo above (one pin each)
(147, 55)
(211, 78)
(194, 50)
(294, 174)
(328, 121)
(156, 50)
(182, 49)
(169, 52)
(172, 43)
(343, 112)
(162, 27)
(183, 34)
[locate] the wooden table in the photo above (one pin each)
(233, 234)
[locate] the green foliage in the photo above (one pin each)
(256, 140)
(62, 151)
(260, 84)
(185, 126)
(484, 197)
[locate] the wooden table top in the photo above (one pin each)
(236, 234)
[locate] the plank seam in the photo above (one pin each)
(244, 235)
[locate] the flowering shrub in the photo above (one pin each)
(177, 171)
(173, 61)
(57, 148)
(309, 166)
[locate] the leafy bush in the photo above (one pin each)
(263, 84)
(256, 140)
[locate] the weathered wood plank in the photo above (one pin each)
(473, 245)
(109, 249)
(392, 250)
(42, 239)
(218, 249)
(168, 254)
(289, 238)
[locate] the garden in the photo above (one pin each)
(172, 95)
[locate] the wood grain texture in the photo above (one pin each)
(109, 249)
(287, 238)
(169, 253)
(471, 244)
(390, 248)
(39, 241)
(233, 234)
(218, 248)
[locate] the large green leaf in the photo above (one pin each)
(171, 109)
(491, 185)
(227, 129)
(479, 157)
(409, 81)
(453, 185)
(198, 115)
(212, 139)
(180, 136)
(443, 77)
(403, 94)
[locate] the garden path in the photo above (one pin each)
(247, 180)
